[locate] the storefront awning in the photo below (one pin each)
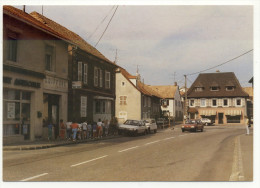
(233, 113)
(208, 112)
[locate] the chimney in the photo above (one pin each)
(23, 8)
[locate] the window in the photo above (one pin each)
(83, 106)
(214, 102)
(96, 76)
(85, 76)
(103, 107)
(79, 71)
(100, 78)
(230, 88)
(123, 100)
(123, 84)
(107, 80)
(225, 102)
(198, 89)
(192, 102)
(12, 49)
(165, 102)
(49, 58)
(238, 102)
(203, 102)
(214, 88)
(98, 106)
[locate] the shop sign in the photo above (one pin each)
(27, 83)
(55, 83)
(11, 110)
(76, 84)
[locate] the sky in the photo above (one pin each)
(165, 42)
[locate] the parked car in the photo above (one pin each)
(162, 122)
(151, 125)
(133, 127)
(192, 125)
(206, 121)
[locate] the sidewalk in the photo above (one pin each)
(43, 144)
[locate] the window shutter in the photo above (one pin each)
(234, 102)
(85, 73)
(83, 106)
(243, 102)
(79, 71)
(210, 102)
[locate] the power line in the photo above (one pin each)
(107, 26)
(221, 63)
(101, 22)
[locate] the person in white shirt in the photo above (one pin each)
(84, 129)
(68, 130)
(100, 132)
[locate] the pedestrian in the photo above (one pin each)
(247, 125)
(84, 129)
(94, 129)
(50, 126)
(106, 125)
(99, 128)
(89, 131)
(62, 129)
(68, 130)
(74, 126)
(79, 132)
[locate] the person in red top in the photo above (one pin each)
(74, 126)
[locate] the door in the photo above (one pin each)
(220, 118)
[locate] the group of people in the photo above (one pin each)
(72, 130)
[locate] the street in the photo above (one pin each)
(220, 153)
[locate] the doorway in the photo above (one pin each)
(220, 118)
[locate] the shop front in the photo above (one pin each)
(20, 107)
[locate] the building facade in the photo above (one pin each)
(91, 78)
(35, 76)
(171, 102)
(134, 100)
(219, 97)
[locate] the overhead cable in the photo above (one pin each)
(101, 23)
(107, 26)
(221, 63)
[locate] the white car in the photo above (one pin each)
(151, 125)
(206, 121)
(133, 127)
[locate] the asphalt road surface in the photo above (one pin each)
(168, 155)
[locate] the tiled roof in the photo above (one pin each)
(70, 35)
(249, 91)
(25, 17)
(167, 91)
(220, 79)
(143, 88)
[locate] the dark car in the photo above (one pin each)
(192, 125)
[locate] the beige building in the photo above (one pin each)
(35, 76)
(134, 100)
(219, 97)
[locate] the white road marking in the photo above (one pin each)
(88, 161)
(128, 149)
(153, 142)
(183, 135)
(169, 138)
(27, 179)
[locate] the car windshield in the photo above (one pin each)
(132, 122)
(189, 122)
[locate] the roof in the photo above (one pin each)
(27, 18)
(220, 79)
(165, 91)
(249, 91)
(70, 35)
(143, 88)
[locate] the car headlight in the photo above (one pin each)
(192, 126)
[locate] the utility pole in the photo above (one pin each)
(185, 100)
(42, 9)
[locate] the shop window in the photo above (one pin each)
(233, 119)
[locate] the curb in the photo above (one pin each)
(50, 145)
